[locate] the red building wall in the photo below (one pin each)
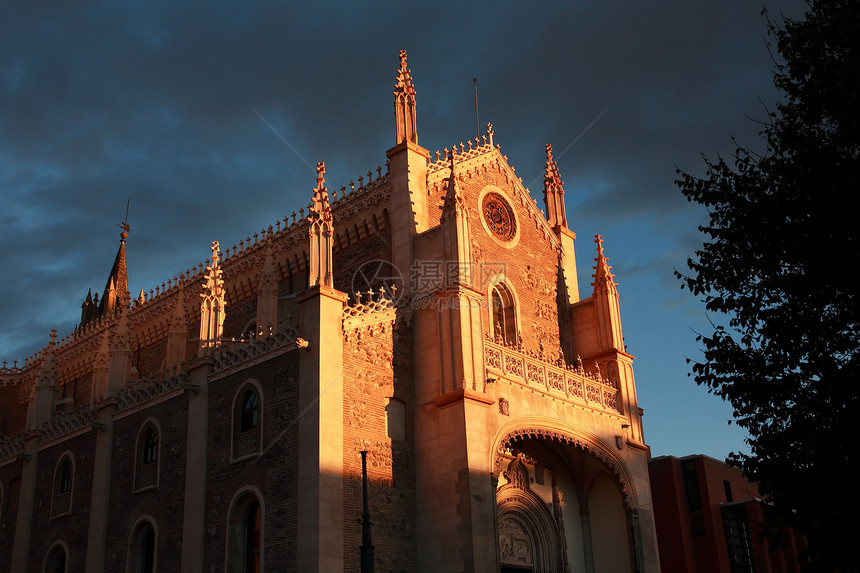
(693, 498)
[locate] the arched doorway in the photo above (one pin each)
(528, 533)
(561, 507)
(245, 535)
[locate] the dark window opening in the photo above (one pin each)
(738, 540)
(250, 413)
(504, 315)
(64, 479)
(252, 538)
(150, 447)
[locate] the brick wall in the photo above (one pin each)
(273, 472)
(378, 366)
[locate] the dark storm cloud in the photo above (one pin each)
(206, 116)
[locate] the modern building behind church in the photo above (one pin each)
(428, 315)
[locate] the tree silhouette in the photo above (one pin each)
(779, 264)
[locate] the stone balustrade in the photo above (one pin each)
(557, 381)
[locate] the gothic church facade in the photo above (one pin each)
(428, 315)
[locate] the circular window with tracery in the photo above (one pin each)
(499, 217)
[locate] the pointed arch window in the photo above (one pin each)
(245, 534)
(57, 559)
(247, 421)
(150, 447)
(503, 315)
(64, 478)
(141, 554)
(250, 414)
(147, 459)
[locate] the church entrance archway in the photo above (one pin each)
(561, 507)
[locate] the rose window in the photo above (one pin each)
(499, 217)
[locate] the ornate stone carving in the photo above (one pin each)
(515, 546)
(514, 365)
(535, 282)
(534, 373)
(507, 445)
(555, 380)
(493, 357)
(358, 412)
(499, 217)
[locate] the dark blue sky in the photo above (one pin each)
(208, 116)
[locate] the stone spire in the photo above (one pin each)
(46, 389)
(606, 304)
(404, 104)
(553, 192)
(119, 353)
(321, 234)
(604, 280)
(453, 202)
(211, 306)
(116, 293)
(456, 236)
(89, 310)
(407, 167)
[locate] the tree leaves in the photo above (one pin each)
(778, 261)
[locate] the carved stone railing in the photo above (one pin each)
(466, 152)
(564, 382)
(363, 188)
(365, 304)
(141, 391)
(11, 446)
(233, 353)
(67, 422)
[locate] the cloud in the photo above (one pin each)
(161, 104)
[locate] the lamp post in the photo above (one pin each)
(366, 541)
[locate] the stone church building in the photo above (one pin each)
(428, 315)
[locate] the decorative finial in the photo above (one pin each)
(603, 277)
(553, 192)
(404, 104)
(320, 206)
(320, 175)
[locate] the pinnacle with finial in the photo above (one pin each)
(599, 240)
(602, 269)
(404, 78)
(320, 202)
(320, 175)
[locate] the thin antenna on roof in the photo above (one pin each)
(124, 225)
(477, 123)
